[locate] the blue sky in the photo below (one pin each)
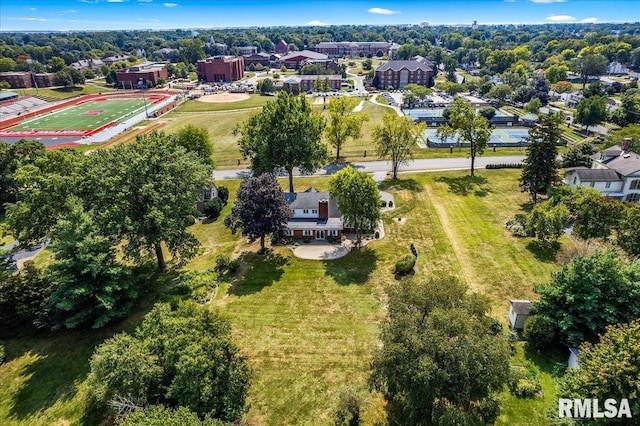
(167, 14)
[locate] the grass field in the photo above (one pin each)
(87, 116)
(254, 101)
(308, 327)
(64, 93)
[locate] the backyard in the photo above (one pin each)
(309, 327)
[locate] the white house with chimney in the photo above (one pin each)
(615, 172)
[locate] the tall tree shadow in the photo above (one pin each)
(466, 185)
(544, 252)
(262, 271)
(354, 268)
(401, 184)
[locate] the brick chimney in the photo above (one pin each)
(323, 209)
(626, 144)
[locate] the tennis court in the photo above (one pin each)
(509, 136)
(90, 115)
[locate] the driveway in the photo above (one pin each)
(322, 250)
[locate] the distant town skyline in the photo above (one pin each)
(61, 15)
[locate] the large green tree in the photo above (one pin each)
(260, 208)
(183, 357)
(589, 65)
(12, 157)
(589, 294)
(286, 133)
(442, 359)
(547, 221)
(608, 369)
(591, 111)
(627, 236)
(157, 415)
(196, 139)
(540, 169)
(144, 193)
(467, 127)
(358, 199)
(343, 122)
(596, 215)
(396, 139)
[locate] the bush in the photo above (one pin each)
(222, 263)
(349, 408)
(181, 289)
(518, 226)
(201, 296)
(383, 204)
(233, 267)
(223, 194)
(405, 264)
(539, 332)
(213, 207)
(525, 382)
(504, 166)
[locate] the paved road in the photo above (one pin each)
(385, 166)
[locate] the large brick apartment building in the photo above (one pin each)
(307, 83)
(355, 49)
(221, 69)
(27, 79)
(149, 72)
(397, 74)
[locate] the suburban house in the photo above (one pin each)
(518, 313)
(355, 49)
(167, 53)
(314, 215)
(149, 73)
(205, 194)
(308, 83)
(220, 69)
(615, 172)
(397, 74)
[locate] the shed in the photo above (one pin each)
(518, 313)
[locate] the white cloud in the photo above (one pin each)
(316, 22)
(170, 4)
(115, 1)
(590, 20)
(32, 8)
(548, 1)
(560, 18)
(381, 11)
(32, 19)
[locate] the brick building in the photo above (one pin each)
(307, 83)
(247, 50)
(293, 59)
(27, 79)
(356, 49)
(398, 74)
(282, 48)
(150, 72)
(263, 59)
(221, 69)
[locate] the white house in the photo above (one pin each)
(615, 172)
(518, 313)
(314, 215)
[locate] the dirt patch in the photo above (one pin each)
(223, 98)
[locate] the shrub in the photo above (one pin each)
(213, 207)
(181, 289)
(405, 264)
(349, 408)
(383, 203)
(222, 263)
(504, 166)
(201, 295)
(525, 382)
(539, 332)
(518, 226)
(233, 267)
(223, 194)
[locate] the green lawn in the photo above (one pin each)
(64, 93)
(308, 327)
(89, 115)
(254, 101)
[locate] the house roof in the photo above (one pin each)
(627, 163)
(331, 223)
(310, 199)
(410, 65)
(521, 307)
(597, 175)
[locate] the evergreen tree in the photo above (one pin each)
(540, 169)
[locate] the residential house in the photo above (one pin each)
(519, 311)
(206, 194)
(397, 74)
(87, 64)
(110, 60)
(167, 53)
(314, 215)
(221, 69)
(615, 172)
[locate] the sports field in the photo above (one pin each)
(87, 116)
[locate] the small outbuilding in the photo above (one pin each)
(518, 313)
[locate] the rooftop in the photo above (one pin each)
(409, 65)
(521, 307)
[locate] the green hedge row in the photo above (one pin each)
(504, 166)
